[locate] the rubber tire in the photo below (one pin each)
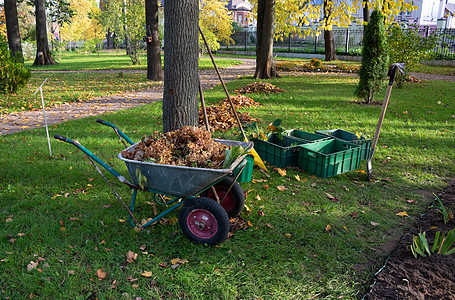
(234, 202)
(215, 213)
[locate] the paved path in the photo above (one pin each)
(10, 123)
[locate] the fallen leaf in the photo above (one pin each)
(345, 228)
(288, 235)
(173, 221)
(62, 223)
(21, 234)
(258, 197)
(281, 188)
(175, 266)
(261, 213)
(135, 285)
(70, 272)
(268, 225)
(281, 172)
(32, 265)
(266, 186)
(402, 214)
(8, 220)
(353, 215)
(100, 274)
(147, 274)
(258, 180)
(331, 198)
(131, 256)
(249, 223)
(361, 171)
(313, 184)
(143, 247)
(175, 261)
(374, 223)
(121, 221)
(328, 228)
(297, 177)
(307, 203)
(411, 201)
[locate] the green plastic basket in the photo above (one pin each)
(329, 158)
(365, 144)
(279, 152)
(307, 136)
(247, 172)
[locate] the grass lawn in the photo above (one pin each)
(64, 233)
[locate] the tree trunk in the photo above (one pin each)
(329, 40)
(12, 28)
(265, 68)
(180, 96)
(366, 12)
(154, 69)
(108, 39)
(329, 43)
(43, 55)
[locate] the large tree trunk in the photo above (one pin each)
(108, 39)
(265, 67)
(180, 96)
(12, 28)
(43, 54)
(154, 69)
(329, 41)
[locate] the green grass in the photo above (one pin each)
(60, 213)
(110, 60)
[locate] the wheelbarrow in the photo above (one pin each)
(206, 197)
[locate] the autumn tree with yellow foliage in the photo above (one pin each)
(297, 16)
(83, 26)
(216, 24)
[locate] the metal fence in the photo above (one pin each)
(347, 41)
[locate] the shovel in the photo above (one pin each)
(392, 72)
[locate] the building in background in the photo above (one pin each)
(241, 12)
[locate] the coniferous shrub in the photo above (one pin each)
(13, 74)
(375, 60)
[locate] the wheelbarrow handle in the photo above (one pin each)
(117, 131)
(63, 138)
(92, 156)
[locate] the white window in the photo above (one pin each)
(240, 18)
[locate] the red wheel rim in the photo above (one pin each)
(228, 202)
(202, 223)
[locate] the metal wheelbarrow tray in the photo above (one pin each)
(179, 181)
(207, 197)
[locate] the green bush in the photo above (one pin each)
(410, 46)
(13, 75)
(375, 60)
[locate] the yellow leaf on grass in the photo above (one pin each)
(297, 177)
(173, 221)
(281, 171)
(345, 228)
(100, 274)
(288, 235)
(175, 261)
(328, 228)
(402, 214)
(147, 274)
(258, 197)
(281, 188)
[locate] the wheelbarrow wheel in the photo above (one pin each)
(204, 221)
(234, 201)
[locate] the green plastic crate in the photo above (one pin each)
(365, 144)
(281, 153)
(247, 172)
(329, 158)
(307, 136)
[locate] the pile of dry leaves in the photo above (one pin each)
(259, 87)
(187, 146)
(221, 116)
